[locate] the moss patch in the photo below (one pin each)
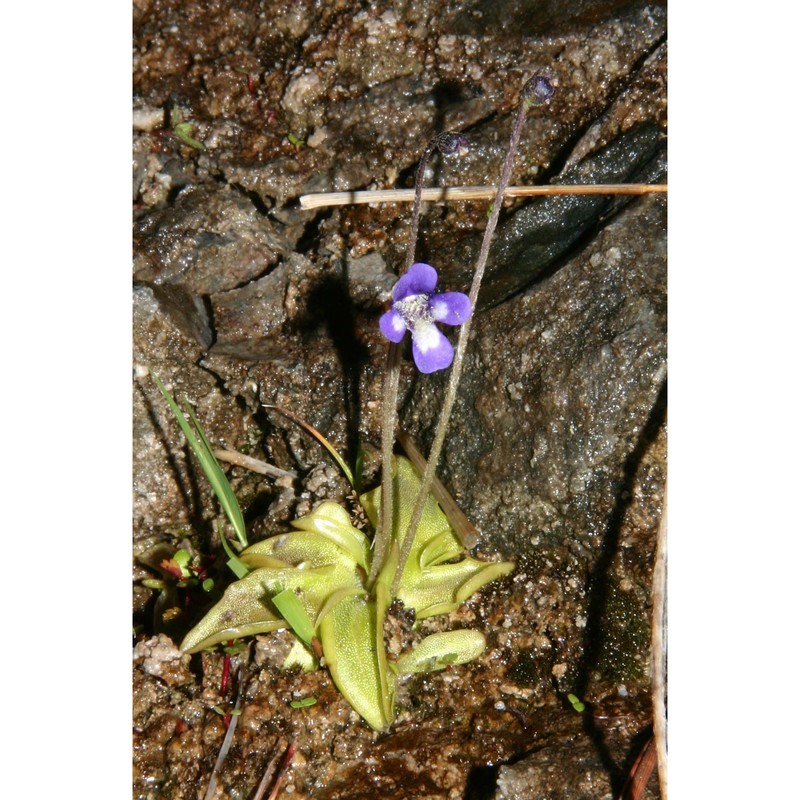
(625, 641)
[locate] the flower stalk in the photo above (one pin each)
(537, 91)
(383, 534)
(447, 143)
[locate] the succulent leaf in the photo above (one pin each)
(441, 589)
(432, 526)
(331, 520)
(297, 548)
(430, 584)
(440, 650)
(300, 656)
(350, 636)
(244, 610)
(246, 606)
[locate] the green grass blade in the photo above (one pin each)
(235, 564)
(211, 468)
(219, 483)
(291, 609)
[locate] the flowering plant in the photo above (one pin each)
(325, 580)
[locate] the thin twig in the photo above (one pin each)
(658, 649)
(228, 740)
(281, 774)
(449, 193)
(253, 464)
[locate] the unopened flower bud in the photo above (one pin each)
(538, 90)
(449, 144)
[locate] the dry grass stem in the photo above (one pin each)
(269, 771)
(640, 773)
(446, 193)
(267, 776)
(253, 464)
(283, 769)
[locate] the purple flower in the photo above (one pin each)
(416, 308)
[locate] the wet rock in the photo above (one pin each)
(540, 234)
(542, 776)
(564, 375)
(369, 280)
(257, 309)
(522, 17)
(168, 488)
(558, 419)
(160, 346)
(160, 658)
(210, 240)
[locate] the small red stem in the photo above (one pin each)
(283, 769)
(226, 676)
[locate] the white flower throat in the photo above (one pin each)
(414, 309)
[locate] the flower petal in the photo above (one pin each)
(452, 308)
(430, 348)
(392, 326)
(420, 279)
